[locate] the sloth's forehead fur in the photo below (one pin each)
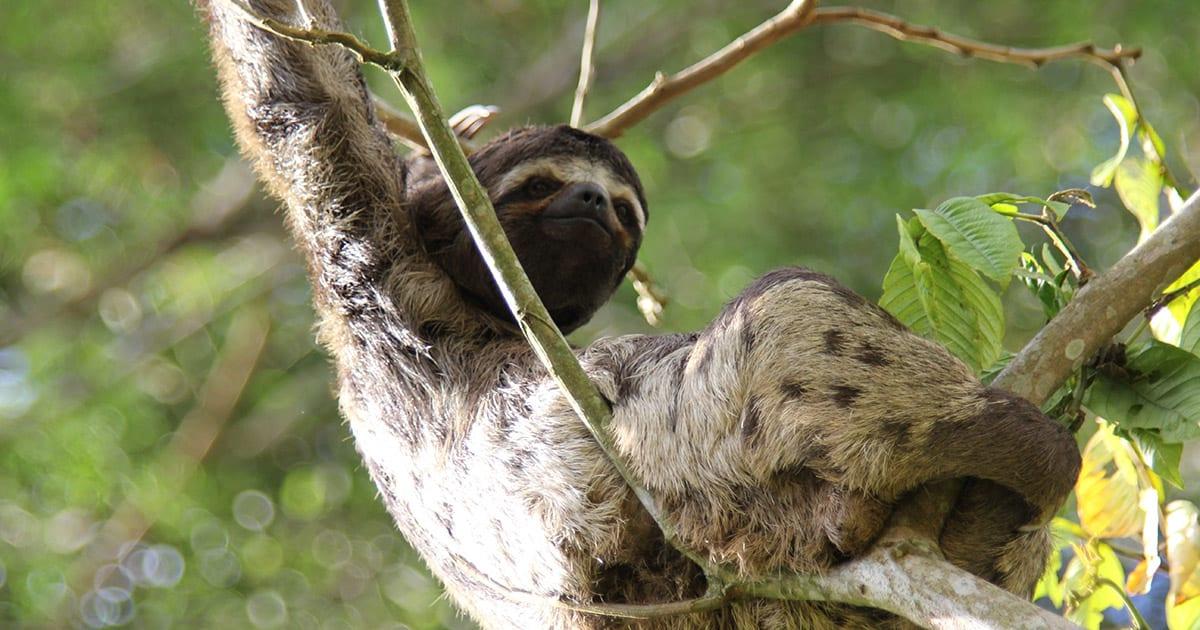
(573, 170)
(568, 154)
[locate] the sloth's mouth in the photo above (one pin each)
(577, 222)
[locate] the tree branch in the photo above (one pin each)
(1103, 306)
(586, 67)
(801, 14)
(189, 444)
(897, 28)
(797, 15)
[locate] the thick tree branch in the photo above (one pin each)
(1103, 306)
(801, 14)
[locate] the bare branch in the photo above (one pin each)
(797, 15)
(404, 127)
(586, 66)
(1032, 57)
(189, 445)
(801, 14)
(1103, 306)
(394, 60)
(651, 300)
(1171, 296)
(217, 211)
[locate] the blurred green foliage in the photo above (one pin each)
(135, 256)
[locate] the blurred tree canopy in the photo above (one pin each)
(159, 382)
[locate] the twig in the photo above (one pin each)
(394, 60)
(1121, 78)
(799, 15)
(897, 28)
(586, 65)
(1171, 296)
(1139, 621)
(1061, 242)
(651, 300)
(404, 127)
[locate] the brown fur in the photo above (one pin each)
(778, 438)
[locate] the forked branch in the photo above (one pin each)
(801, 14)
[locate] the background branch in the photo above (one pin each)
(800, 14)
(189, 445)
(586, 66)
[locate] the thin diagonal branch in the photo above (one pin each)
(586, 65)
(800, 15)
(664, 88)
(189, 445)
(897, 28)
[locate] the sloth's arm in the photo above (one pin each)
(302, 115)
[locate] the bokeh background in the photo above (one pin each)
(161, 396)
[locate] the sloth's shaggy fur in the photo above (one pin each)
(777, 438)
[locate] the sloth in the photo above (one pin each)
(778, 438)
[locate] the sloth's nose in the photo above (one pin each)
(589, 195)
(583, 200)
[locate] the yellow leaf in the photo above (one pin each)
(1107, 491)
(1143, 573)
(1183, 550)
(1138, 582)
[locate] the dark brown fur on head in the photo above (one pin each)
(570, 203)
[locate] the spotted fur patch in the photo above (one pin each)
(845, 395)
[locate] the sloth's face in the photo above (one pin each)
(570, 204)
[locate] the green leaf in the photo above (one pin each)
(1050, 259)
(1152, 143)
(1127, 118)
(1139, 184)
(1164, 393)
(1041, 285)
(974, 234)
(943, 299)
(1190, 338)
(1098, 560)
(1164, 456)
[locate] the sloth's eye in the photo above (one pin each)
(625, 213)
(541, 186)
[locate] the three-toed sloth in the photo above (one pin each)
(777, 438)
